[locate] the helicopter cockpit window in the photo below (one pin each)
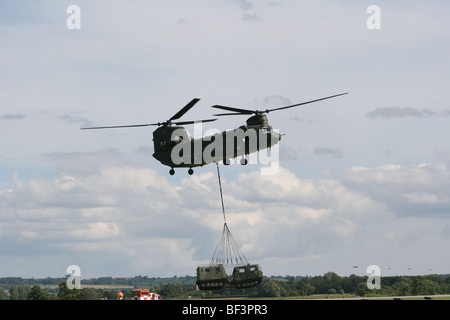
(265, 129)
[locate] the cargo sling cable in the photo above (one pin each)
(227, 251)
(221, 196)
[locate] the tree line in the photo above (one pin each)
(184, 287)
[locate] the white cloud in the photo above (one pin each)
(420, 197)
(131, 220)
(405, 189)
(97, 230)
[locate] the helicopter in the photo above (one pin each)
(173, 146)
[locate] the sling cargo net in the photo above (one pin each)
(228, 267)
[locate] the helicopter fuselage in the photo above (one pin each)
(174, 148)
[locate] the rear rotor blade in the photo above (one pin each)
(303, 103)
(238, 111)
(185, 109)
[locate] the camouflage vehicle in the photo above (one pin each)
(247, 276)
(212, 277)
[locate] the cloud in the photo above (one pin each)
(251, 17)
(243, 4)
(401, 112)
(89, 212)
(335, 152)
(290, 153)
(115, 218)
(117, 211)
(407, 190)
(12, 116)
(295, 118)
(182, 21)
(273, 101)
(70, 118)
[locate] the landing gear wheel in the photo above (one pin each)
(190, 171)
(172, 172)
(244, 161)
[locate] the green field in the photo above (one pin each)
(330, 286)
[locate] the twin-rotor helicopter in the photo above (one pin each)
(173, 147)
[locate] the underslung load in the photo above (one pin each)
(228, 266)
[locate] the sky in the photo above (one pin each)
(363, 179)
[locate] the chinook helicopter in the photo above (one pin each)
(173, 146)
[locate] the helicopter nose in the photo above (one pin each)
(277, 135)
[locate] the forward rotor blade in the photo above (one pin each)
(240, 111)
(180, 123)
(127, 126)
(303, 103)
(185, 109)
